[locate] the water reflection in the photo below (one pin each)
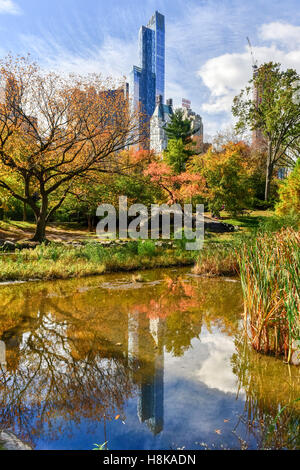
(77, 354)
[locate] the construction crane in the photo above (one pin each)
(254, 62)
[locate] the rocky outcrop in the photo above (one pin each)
(9, 441)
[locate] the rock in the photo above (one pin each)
(26, 244)
(218, 227)
(10, 441)
(215, 226)
(295, 359)
(9, 246)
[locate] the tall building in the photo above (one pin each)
(258, 140)
(148, 79)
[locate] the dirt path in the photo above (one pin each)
(13, 232)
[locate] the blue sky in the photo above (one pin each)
(207, 55)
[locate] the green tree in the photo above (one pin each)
(275, 113)
(180, 143)
(179, 128)
(289, 194)
(227, 178)
(177, 155)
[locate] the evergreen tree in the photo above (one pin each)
(180, 144)
(179, 128)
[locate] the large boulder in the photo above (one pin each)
(10, 441)
(215, 226)
(8, 246)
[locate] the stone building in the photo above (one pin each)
(196, 121)
(160, 119)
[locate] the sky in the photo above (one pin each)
(208, 59)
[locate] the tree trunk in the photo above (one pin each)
(269, 172)
(41, 222)
(24, 212)
(90, 223)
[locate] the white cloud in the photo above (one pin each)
(227, 74)
(9, 6)
(216, 370)
(282, 33)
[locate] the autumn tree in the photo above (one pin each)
(55, 129)
(226, 174)
(96, 188)
(175, 187)
(275, 114)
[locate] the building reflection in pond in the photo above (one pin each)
(76, 354)
(151, 373)
(2, 356)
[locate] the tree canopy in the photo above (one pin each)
(54, 129)
(269, 106)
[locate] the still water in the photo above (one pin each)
(153, 361)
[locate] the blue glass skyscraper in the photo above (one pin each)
(148, 80)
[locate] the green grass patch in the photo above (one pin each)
(59, 261)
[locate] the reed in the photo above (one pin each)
(218, 260)
(270, 276)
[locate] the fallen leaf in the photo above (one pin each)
(226, 420)
(218, 431)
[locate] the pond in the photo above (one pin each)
(156, 360)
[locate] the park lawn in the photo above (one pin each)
(61, 260)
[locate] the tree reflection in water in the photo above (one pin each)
(78, 350)
(270, 385)
(80, 353)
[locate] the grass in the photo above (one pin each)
(217, 260)
(270, 276)
(59, 261)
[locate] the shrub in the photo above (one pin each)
(289, 194)
(146, 248)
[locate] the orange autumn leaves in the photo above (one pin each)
(177, 187)
(178, 296)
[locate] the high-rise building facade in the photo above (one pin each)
(148, 79)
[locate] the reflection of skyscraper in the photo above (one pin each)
(2, 356)
(148, 80)
(147, 344)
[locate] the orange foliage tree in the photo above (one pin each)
(55, 129)
(176, 187)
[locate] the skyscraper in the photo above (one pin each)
(148, 79)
